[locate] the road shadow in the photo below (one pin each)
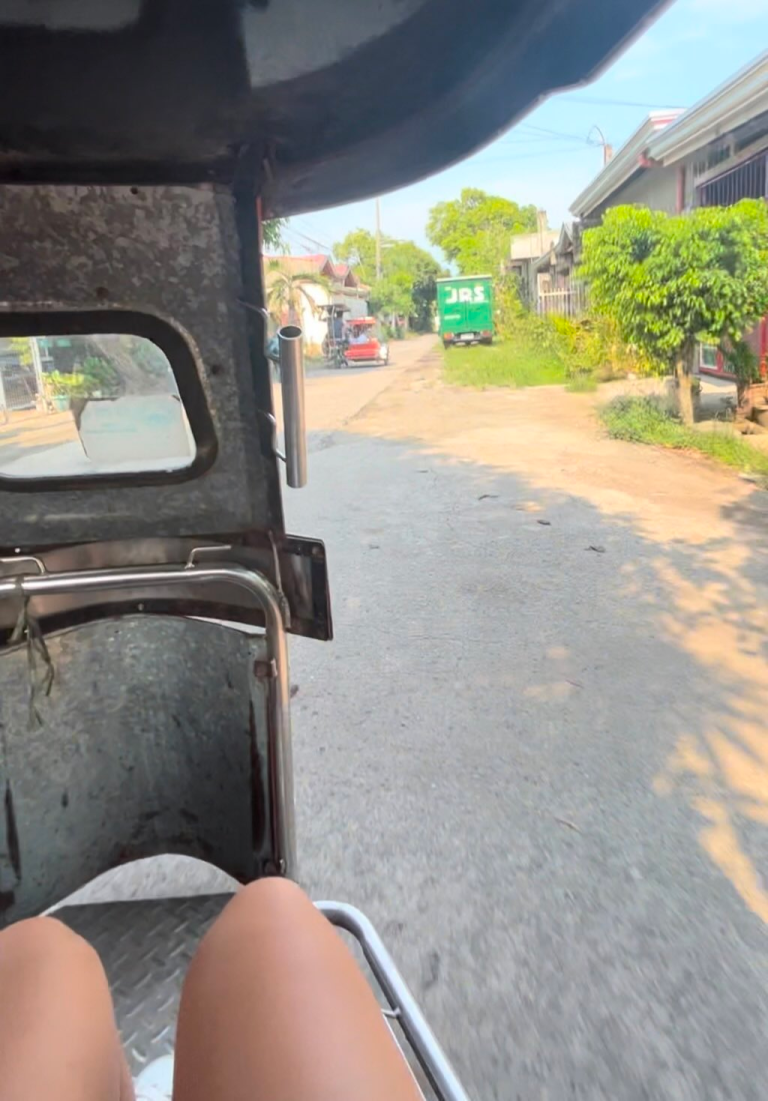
(537, 748)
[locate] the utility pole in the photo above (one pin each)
(378, 240)
(607, 147)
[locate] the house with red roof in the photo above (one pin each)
(323, 282)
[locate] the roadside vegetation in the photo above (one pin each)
(534, 350)
(507, 363)
(669, 282)
(405, 286)
(647, 420)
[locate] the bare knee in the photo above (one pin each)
(47, 941)
(265, 899)
(267, 911)
(270, 893)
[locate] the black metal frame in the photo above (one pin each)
(181, 358)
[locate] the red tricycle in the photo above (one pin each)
(364, 344)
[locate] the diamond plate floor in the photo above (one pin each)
(146, 948)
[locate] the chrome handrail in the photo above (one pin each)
(404, 1007)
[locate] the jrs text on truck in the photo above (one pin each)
(465, 309)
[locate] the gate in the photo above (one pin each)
(19, 383)
(569, 302)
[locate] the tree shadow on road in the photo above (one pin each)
(574, 712)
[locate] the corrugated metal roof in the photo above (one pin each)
(729, 106)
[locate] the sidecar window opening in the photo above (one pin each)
(88, 397)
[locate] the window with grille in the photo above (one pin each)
(747, 181)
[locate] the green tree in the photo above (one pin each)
(473, 231)
(391, 296)
(272, 235)
(407, 285)
(672, 281)
(358, 249)
(21, 346)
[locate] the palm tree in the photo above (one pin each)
(286, 290)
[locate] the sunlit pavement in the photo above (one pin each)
(535, 752)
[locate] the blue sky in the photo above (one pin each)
(694, 46)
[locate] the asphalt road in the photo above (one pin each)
(478, 758)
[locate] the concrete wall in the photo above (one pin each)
(315, 326)
(655, 187)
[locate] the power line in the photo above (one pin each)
(558, 133)
(313, 232)
(303, 240)
(310, 241)
(544, 153)
(539, 139)
(616, 102)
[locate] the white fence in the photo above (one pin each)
(566, 303)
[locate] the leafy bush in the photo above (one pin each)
(589, 346)
(99, 376)
(669, 282)
(95, 376)
(647, 420)
(59, 384)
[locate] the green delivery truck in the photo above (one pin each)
(465, 309)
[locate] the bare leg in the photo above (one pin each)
(274, 1007)
(58, 1039)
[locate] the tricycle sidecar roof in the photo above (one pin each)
(333, 99)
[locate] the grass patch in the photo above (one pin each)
(508, 363)
(581, 384)
(644, 420)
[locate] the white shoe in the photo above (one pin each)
(155, 1083)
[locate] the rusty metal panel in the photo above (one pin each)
(170, 252)
(152, 739)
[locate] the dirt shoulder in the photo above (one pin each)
(554, 439)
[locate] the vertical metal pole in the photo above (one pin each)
(294, 419)
(378, 239)
(3, 406)
(37, 364)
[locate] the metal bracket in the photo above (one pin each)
(197, 552)
(25, 558)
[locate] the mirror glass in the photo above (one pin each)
(78, 406)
